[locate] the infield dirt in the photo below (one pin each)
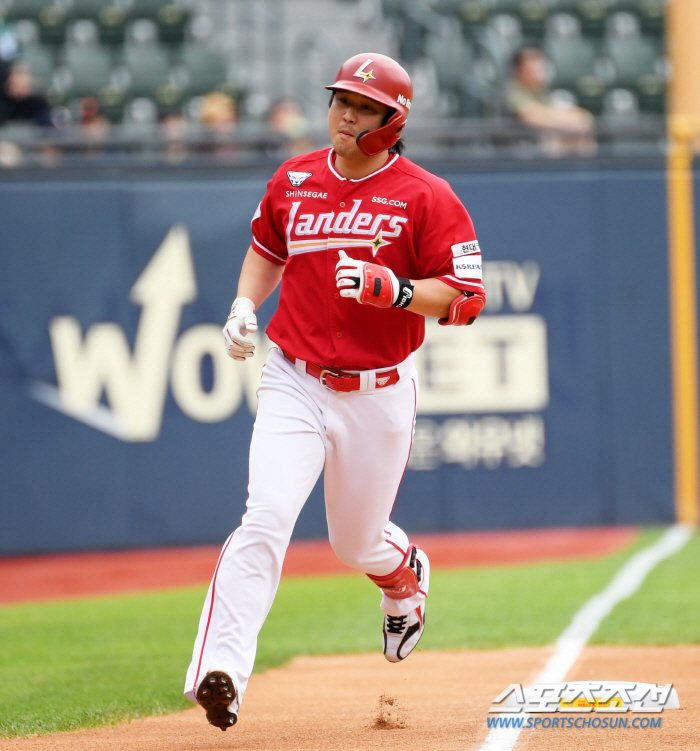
(433, 701)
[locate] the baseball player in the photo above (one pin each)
(365, 245)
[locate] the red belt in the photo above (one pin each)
(339, 380)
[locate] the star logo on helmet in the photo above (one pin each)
(378, 242)
(362, 73)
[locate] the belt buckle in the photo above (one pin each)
(322, 378)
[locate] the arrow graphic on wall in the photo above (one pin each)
(135, 384)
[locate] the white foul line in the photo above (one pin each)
(586, 622)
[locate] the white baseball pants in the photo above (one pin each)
(362, 440)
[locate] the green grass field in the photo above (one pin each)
(86, 663)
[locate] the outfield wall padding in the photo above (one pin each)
(570, 424)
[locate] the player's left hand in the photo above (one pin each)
(368, 283)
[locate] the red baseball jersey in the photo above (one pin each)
(399, 216)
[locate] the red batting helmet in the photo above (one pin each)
(380, 78)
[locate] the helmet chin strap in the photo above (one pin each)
(372, 142)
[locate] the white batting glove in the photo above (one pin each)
(348, 274)
(241, 322)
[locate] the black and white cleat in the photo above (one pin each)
(216, 693)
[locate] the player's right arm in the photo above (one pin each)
(261, 272)
(258, 280)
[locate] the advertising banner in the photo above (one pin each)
(125, 424)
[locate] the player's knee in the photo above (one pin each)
(352, 554)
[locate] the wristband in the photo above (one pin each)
(403, 299)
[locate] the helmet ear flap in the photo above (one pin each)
(371, 142)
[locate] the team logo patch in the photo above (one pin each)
(362, 73)
(465, 249)
(297, 178)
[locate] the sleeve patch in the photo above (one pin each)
(465, 249)
(467, 268)
(257, 214)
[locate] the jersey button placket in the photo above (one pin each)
(344, 188)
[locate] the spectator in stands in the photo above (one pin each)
(94, 124)
(18, 98)
(219, 112)
(173, 129)
(565, 127)
(287, 117)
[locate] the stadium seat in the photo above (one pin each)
(111, 98)
(504, 6)
(451, 54)
(590, 89)
(651, 92)
(392, 8)
(592, 14)
(205, 70)
(82, 32)
(570, 54)
(501, 38)
(652, 16)
(632, 59)
(16, 9)
(411, 39)
(52, 24)
(148, 66)
(26, 31)
(621, 104)
(146, 61)
(470, 105)
(479, 90)
(112, 23)
(144, 8)
(40, 60)
(473, 14)
(171, 20)
(142, 31)
(141, 111)
(87, 8)
(90, 68)
(532, 14)
(570, 59)
(631, 54)
(446, 7)
(89, 63)
(649, 13)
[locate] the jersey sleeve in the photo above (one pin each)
(448, 248)
(268, 238)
